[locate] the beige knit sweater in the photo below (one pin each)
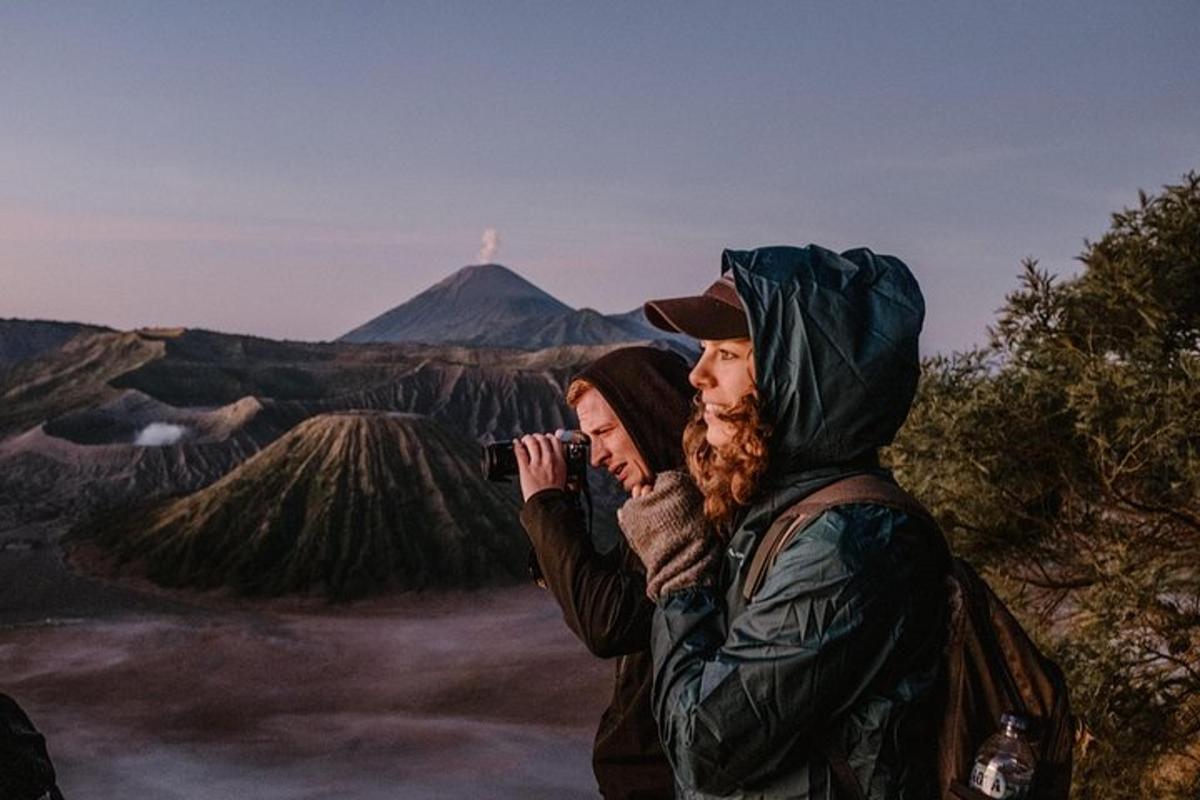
(670, 534)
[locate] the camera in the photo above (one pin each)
(500, 460)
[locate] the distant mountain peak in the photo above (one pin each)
(490, 305)
(490, 268)
(492, 283)
(463, 307)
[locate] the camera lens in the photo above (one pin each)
(499, 461)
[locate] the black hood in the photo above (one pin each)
(649, 392)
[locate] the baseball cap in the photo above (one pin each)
(716, 314)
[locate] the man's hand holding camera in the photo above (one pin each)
(541, 463)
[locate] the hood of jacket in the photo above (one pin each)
(835, 348)
(836, 362)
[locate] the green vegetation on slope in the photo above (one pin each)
(1064, 459)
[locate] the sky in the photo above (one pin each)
(294, 169)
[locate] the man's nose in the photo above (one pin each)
(599, 454)
(700, 376)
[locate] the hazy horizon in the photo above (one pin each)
(292, 170)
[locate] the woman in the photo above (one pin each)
(819, 685)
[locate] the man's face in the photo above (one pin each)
(724, 375)
(612, 448)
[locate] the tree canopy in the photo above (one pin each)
(1063, 459)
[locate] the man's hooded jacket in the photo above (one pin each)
(839, 648)
(603, 597)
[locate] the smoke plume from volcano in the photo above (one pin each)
(160, 434)
(491, 243)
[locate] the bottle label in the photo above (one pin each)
(989, 780)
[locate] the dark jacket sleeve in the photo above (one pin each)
(739, 699)
(603, 601)
(25, 769)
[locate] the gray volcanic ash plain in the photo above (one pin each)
(455, 694)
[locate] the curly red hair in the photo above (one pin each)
(728, 476)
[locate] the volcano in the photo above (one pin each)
(470, 306)
(489, 305)
(344, 505)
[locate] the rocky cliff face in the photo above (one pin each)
(51, 482)
(76, 375)
(343, 505)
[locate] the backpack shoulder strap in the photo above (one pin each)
(865, 488)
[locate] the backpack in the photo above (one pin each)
(989, 666)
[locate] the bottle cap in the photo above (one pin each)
(1014, 721)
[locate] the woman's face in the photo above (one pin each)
(724, 375)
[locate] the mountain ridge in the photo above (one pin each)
(24, 339)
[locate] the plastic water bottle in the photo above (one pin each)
(1004, 765)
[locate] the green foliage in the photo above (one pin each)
(1064, 460)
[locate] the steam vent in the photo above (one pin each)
(343, 505)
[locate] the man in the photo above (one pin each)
(820, 685)
(633, 404)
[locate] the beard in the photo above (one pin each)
(728, 476)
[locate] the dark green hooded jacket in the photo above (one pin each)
(840, 646)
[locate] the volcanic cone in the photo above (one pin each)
(344, 505)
